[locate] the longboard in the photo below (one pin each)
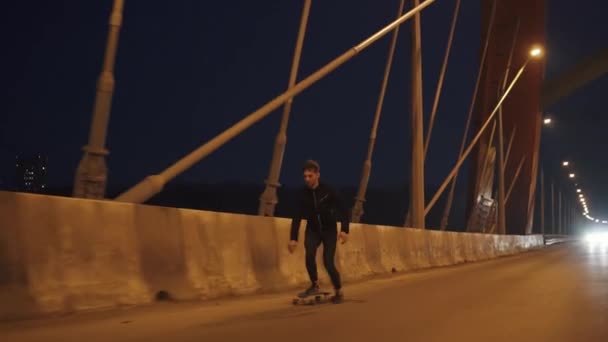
(317, 298)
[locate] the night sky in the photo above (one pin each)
(188, 69)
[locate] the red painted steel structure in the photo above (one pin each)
(522, 109)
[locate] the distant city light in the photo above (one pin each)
(566, 163)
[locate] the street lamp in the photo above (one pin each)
(547, 121)
(578, 190)
(566, 163)
(536, 52)
(572, 175)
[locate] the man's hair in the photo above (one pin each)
(311, 165)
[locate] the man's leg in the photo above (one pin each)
(312, 240)
(330, 240)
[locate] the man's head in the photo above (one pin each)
(312, 172)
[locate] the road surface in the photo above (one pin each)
(557, 294)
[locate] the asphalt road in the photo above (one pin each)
(557, 294)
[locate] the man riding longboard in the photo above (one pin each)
(322, 207)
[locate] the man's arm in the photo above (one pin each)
(343, 211)
(296, 219)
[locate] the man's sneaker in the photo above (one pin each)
(311, 291)
(338, 297)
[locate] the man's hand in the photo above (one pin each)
(343, 237)
(292, 246)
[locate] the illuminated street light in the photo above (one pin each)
(547, 121)
(580, 195)
(566, 163)
(572, 175)
(536, 52)
(578, 190)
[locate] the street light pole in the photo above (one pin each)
(269, 200)
(358, 211)
(566, 216)
(569, 220)
(542, 201)
(474, 141)
(559, 211)
(552, 206)
(417, 174)
(92, 173)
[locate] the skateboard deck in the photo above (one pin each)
(317, 298)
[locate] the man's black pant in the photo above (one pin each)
(312, 241)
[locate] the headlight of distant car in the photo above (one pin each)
(597, 238)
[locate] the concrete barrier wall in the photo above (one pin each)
(62, 255)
